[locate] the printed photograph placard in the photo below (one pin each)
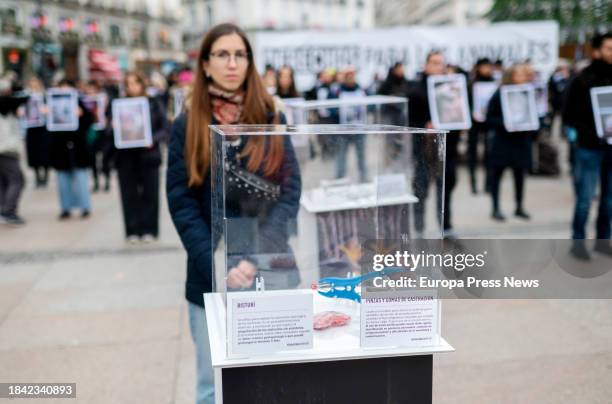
(34, 113)
(519, 108)
(482, 91)
(62, 107)
(131, 122)
(448, 102)
(601, 98)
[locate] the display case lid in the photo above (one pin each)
(345, 102)
(345, 129)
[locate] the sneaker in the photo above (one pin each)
(85, 214)
(133, 240)
(13, 219)
(520, 213)
(579, 251)
(603, 247)
(496, 215)
(64, 215)
(148, 238)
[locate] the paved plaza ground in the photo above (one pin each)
(79, 305)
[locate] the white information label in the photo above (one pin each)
(399, 319)
(269, 322)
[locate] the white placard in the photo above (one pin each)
(482, 91)
(267, 322)
(178, 99)
(390, 185)
(34, 114)
(448, 102)
(96, 104)
(376, 50)
(131, 122)
(519, 108)
(601, 98)
(399, 318)
(62, 110)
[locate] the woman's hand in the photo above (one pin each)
(242, 275)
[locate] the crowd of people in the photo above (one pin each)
(224, 87)
(85, 156)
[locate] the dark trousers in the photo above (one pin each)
(424, 172)
(519, 185)
(477, 134)
(590, 167)
(139, 186)
(11, 184)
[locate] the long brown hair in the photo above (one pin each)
(257, 105)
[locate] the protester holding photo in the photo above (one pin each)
(98, 141)
(593, 155)
(38, 140)
(138, 171)
(509, 150)
(483, 73)
(424, 150)
(70, 158)
(227, 90)
(12, 180)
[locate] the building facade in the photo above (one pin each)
(80, 39)
(257, 15)
(432, 12)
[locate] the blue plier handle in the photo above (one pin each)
(344, 288)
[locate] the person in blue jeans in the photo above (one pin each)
(592, 154)
(226, 90)
(70, 158)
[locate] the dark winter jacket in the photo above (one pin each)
(507, 149)
(578, 109)
(191, 213)
(418, 104)
(69, 150)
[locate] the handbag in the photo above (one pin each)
(248, 189)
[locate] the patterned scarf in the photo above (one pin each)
(226, 106)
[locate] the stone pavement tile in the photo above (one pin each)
(110, 298)
(541, 379)
(186, 367)
(482, 331)
(140, 372)
(15, 273)
(10, 296)
(136, 267)
(65, 330)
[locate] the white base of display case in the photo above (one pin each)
(333, 344)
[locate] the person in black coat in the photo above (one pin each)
(70, 158)
(138, 172)
(593, 154)
(483, 72)
(227, 90)
(425, 151)
(508, 150)
(38, 141)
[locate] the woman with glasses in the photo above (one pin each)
(227, 90)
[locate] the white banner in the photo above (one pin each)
(374, 51)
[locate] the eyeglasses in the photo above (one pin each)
(223, 56)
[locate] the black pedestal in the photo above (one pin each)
(394, 380)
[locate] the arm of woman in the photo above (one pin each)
(184, 205)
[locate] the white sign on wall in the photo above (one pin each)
(374, 51)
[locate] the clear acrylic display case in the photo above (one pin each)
(370, 109)
(292, 232)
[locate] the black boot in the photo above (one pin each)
(579, 250)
